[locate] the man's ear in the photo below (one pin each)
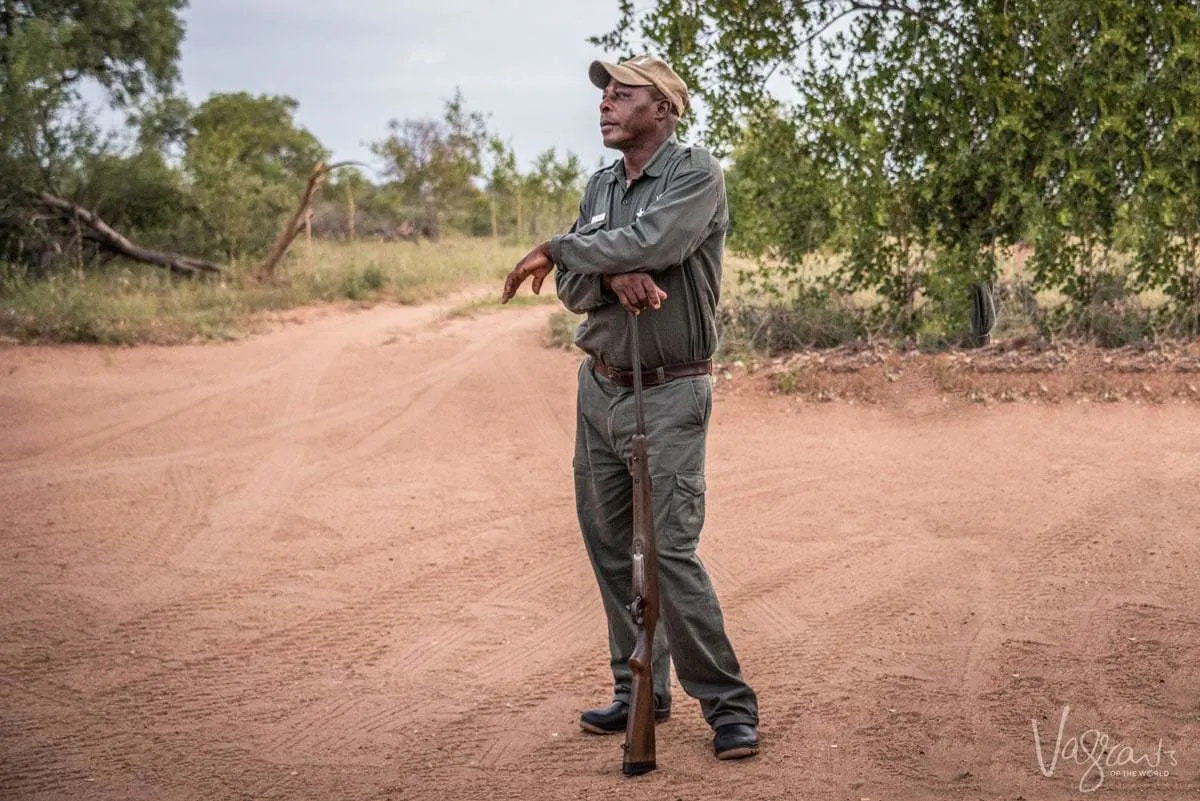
(662, 109)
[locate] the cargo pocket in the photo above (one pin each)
(687, 510)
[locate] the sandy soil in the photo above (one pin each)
(338, 560)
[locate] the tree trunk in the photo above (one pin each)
(265, 271)
(103, 234)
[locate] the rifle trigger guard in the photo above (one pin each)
(637, 608)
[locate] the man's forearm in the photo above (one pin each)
(625, 250)
(580, 293)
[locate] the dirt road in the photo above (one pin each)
(339, 561)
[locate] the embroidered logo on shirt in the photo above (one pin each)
(642, 210)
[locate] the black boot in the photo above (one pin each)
(735, 741)
(612, 719)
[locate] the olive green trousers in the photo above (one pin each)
(691, 627)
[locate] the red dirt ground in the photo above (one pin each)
(339, 560)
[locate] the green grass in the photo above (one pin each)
(122, 310)
(126, 304)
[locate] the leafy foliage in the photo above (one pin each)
(539, 203)
(454, 172)
(247, 161)
(432, 163)
(928, 137)
(48, 49)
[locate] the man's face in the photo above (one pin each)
(629, 115)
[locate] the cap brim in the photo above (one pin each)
(601, 72)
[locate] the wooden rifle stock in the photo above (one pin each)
(639, 729)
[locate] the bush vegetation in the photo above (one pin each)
(931, 147)
(126, 303)
(930, 139)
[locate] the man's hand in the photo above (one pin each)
(536, 263)
(636, 291)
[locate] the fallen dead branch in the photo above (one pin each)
(104, 235)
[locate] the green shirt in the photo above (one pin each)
(670, 223)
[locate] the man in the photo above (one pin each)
(649, 238)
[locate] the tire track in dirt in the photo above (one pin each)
(272, 479)
(775, 603)
(410, 612)
(130, 698)
(396, 421)
(143, 632)
(86, 451)
(259, 364)
(452, 635)
(183, 515)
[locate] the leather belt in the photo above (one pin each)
(652, 378)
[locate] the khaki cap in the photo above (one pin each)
(643, 71)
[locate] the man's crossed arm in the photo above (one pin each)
(635, 291)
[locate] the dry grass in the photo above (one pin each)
(127, 304)
(411, 273)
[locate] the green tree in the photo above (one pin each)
(348, 199)
(553, 186)
(246, 162)
(139, 189)
(504, 188)
(948, 129)
(139, 194)
(435, 166)
(48, 50)
(779, 191)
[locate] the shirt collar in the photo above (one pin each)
(654, 167)
(658, 162)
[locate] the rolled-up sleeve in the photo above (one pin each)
(671, 229)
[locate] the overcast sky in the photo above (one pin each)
(354, 65)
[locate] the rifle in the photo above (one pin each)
(639, 728)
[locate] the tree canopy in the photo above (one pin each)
(48, 48)
(940, 131)
(219, 178)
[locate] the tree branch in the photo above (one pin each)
(886, 7)
(817, 34)
(265, 271)
(8, 17)
(102, 233)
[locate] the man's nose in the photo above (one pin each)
(605, 103)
